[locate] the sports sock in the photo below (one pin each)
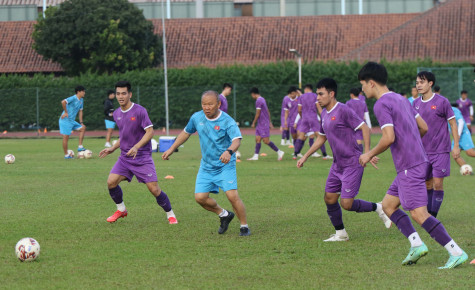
(170, 214)
(244, 226)
(287, 134)
(437, 199)
(360, 205)
(430, 193)
(258, 148)
(436, 230)
(324, 150)
(341, 233)
(310, 142)
(163, 201)
(120, 206)
(298, 146)
(403, 223)
(453, 248)
(335, 215)
(80, 146)
(272, 145)
(283, 134)
(223, 213)
(116, 194)
(415, 240)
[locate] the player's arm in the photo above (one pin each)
(321, 139)
(367, 143)
(80, 116)
(455, 135)
(226, 156)
(319, 109)
(422, 126)
(286, 116)
(64, 104)
(460, 124)
(386, 140)
(300, 110)
(367, 119)
(182, 138)
(258, 113)
(145, 139)
(106, 151)
(270, 120)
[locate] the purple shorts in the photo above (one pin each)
(292, 129)
(345, 180)
(142, 167)
(439, 165)
(410, 186)
(467, 120)
(263, 132)
(308, 125)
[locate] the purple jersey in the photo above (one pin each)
(339, 126)
(224, 103)
(360, 108)
(436, 112)
(394, 110)
(293, 110)
(263, 122)
(285, 107)
(132, 124)
(464, 107)
(363, 99)
(308, 103)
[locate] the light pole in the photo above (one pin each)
(165, 71)
(299, 61)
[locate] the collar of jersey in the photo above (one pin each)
(128, 108)
(333, 108)
(422, 100)
(462, 100)
(220, 112)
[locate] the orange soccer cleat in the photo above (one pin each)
(172, 220)
(117, 215)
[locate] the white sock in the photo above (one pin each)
(453, 248)
(121, 206)
(415, 240)
(223, 213)
(244, 226)
(67, 155)
(341, 233)
(379, 207)
(80, 146)
(170, 214)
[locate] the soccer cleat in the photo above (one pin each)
(68, 157)
(108, 145)
(387, 222)
(328, 157)
(455, 261)
(280, 155)
(415, 253)
(253, 158)
(282, 142)
(244, 231)
(172, 220)
(299, 155)
(335, 238)
(225, 222)
(81, 149)
(117, 215)
(294, 157)
(289, 143)
(472, 262)
(316, 155)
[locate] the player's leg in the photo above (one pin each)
(460, 161)
(332, 189)
(108, 138)
(438, 195)
(65, 145)
(470, 152)
(440, 169)
(280, 153)
(65, 129)
(257, 149)
(469, 126)
(162, 200)
(301, 137)
(82, 131)
(116, 194)
(240, 211)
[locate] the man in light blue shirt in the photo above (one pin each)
(67, 122)
(465, 137)
(220, 138)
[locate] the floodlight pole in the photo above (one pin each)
(44, 8)
(299, 61)
(165, 71)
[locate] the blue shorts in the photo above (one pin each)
(212, 180)
(66, 126)
(465, 142)
(110, 124)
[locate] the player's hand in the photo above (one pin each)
(374, 161)
(295, 126)
(65, 115)
(471, 118)
(132, 152)
(301, 162)
(364, 159)
(281, 128)
(225, 157)
(456, 152)
(271, 126)
(166, 155)
(253, 125)
(105, 152)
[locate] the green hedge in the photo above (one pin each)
(18, 93)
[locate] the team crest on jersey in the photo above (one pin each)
(132, 118)
(333, 118)
(433, 107)
(216, 127)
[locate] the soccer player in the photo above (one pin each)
(284, 127)
(402, 125)
(339, 123)
(414, 95)
(362, 98)
(466, 107)
(219, 139)
(227, 88)
(292, 115)
(135, 133)
(465, 138)
(360, 109)
(436, 111)
(309, 123)
(67, 122)
(263, 121)
(109, 118)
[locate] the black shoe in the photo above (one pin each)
(225, 222)
(245, 231)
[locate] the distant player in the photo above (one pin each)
(309, 123)
(402, 125)
(436, 111)
(465, 138)
(109, 118)
(135, 133)
(339, 124)
(219, 140)
(67, 122)
(263, 121)
(360, 109)
(362, 98)
(227, 88)
(437, 90)
(466, 107)
(414, 95)
(292, 115)
(284, 115)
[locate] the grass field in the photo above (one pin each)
(64, 203)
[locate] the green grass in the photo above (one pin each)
(64, 203)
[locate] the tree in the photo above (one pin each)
(97, 36)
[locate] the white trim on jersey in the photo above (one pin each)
(471, 110)
(320, 133)
(148, 127)
(359, 126)
(450, 118)
(417, 116)
(220, 112)
(422, 100)
(386, 125)
(128, 108)
(240, 137)
(333, 107)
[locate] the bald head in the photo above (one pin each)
(210, 104)
(210, 95)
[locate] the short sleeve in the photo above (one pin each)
(233, 130)
(70, 99)
(259, 104)
(447, 109)
(383, 114)
(82, 104)
(145, 120)
(190, 127)
(352, 119)
(322, 131)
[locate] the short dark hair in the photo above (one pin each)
(227, 85)
(454, 104)
(124, 84)
(329, 84)
(110, 92)
(373, 71)
(310, 86)
(79, 89)
(464, 92)
(427, 75)
(292, 89)
(437, 89)
(355, 91)
(254, 90)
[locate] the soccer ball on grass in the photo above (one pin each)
(88, 154)
(81, 155)
(71, 153)
(466, 169)
(27, 249)
(9, 159)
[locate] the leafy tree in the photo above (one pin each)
(97, 36)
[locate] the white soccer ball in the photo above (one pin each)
(113, 142)
(81, 155)
(27, 249)
(9, 159)
(238, 155)
(466, 169)
(88, 154)
(71, 153)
